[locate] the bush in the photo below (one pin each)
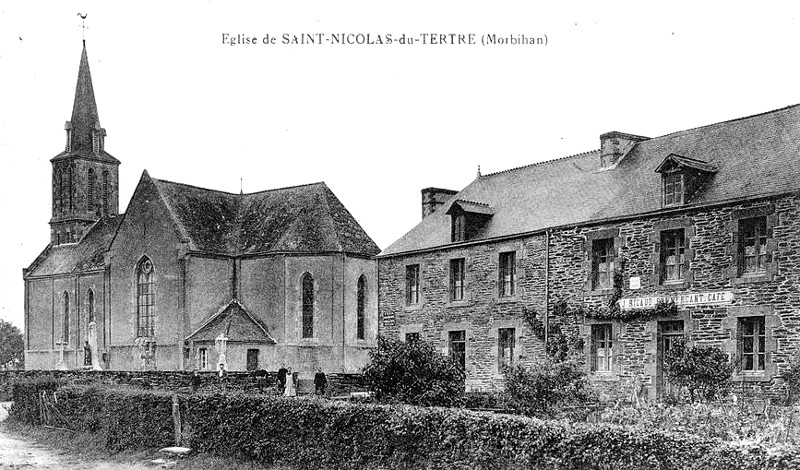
(792, 379)
(547, 387)
(704, 370)
(25, 394)
(413, 373)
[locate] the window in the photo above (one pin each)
(59, 192)
(308, 306)
(360, 300)
(457, 279)
(71, 183)
(506, 280)
(457, 343)
(411, 337)
(145, 299)
(602, 356)
(202, 359)
(90, 305)
(752, 344)
(65, 322)
(602, 263)
(90, 182)
(105, 192)
(673, 188)
(753, 245)
(459, 228)
(505, 347)
(673, 255)
(412, 284)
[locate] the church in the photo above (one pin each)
(192, 278)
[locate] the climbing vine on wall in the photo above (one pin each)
(560, 343)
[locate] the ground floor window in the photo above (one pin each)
(752, 344)
(602, 348)
(411, 337)
(457, 343)
(202, 359)
(505, 347)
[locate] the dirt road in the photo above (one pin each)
(17, 453)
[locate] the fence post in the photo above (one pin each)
(176, 419)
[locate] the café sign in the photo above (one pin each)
(693, 299)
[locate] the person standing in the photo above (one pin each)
(195, 380)
(282, 378)
(320, 382)
(290, 390)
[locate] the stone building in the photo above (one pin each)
(189, 277)
(708, 218)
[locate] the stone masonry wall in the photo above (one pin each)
(711, 267)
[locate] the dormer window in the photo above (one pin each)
(458, 232)
(683, 178)
(468, 220)
(673, 188)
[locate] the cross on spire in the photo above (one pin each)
(83, 25)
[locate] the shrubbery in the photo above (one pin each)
(414, 373)
(547, 386)
(315, 433)
(705, 371)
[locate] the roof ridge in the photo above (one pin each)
(286, 187)
(238, 194)
(540, 163)
(473, 202)
(721, 123)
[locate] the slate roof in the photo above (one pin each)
(85, 255)
(754, 156)
(236, 323)
(307, 218)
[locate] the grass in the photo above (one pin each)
(90, 447)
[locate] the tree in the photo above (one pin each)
(12, 346)
(704, 370)
(415, 373)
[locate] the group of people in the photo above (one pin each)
(287, 380)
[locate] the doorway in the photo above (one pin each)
(252, 359)
(668, 333)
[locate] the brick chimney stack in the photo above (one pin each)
(434, 198)
(614, 145)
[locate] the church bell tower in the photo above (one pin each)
(85, 176)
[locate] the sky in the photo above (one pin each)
(376, 122)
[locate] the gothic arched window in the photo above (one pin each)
(105, 192)
(360, 301)
(65, 322)
(59, 191)
(145, 298)
(70, 186)
(308, 306)
(90, 306)
(90, 182)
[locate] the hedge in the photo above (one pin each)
(315, 433)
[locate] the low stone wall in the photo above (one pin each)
(178, 381)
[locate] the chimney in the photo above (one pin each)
(615, 145)
(434, 198)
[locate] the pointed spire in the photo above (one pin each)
(84, 128)
(479, 171)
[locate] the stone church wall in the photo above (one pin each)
(148, 231)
